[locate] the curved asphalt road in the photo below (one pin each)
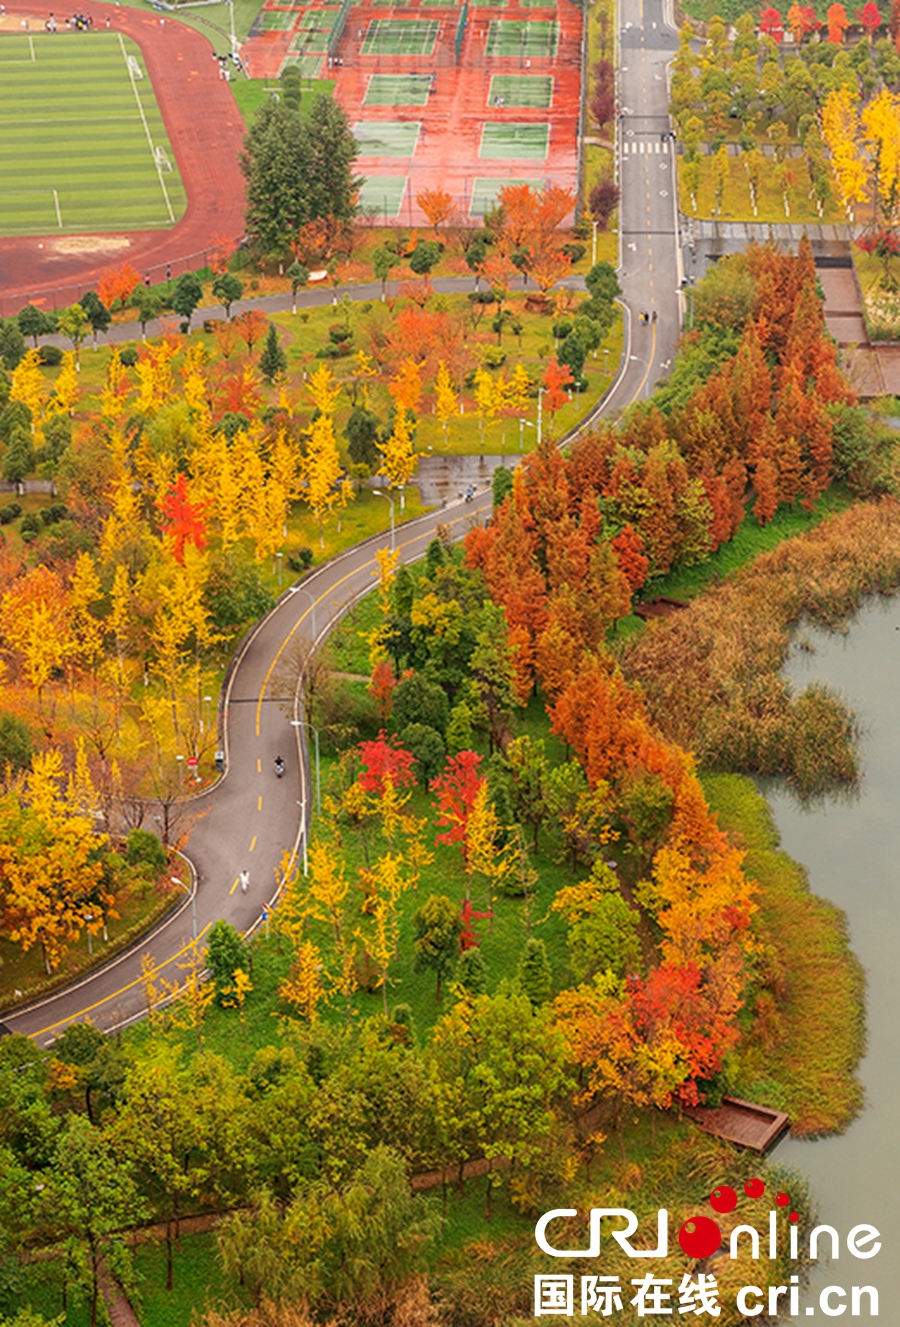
(249, 819)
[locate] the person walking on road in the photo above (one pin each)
(245, 881)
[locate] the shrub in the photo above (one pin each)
(301, 559)
(129, 356)
(144, 849)
(10, 512)
(50, 355)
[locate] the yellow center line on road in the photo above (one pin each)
(253, 843)
(259, 802)
(325, 593)
(235, 885)
(258, 761)
(121, 991)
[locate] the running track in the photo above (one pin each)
(206, 132)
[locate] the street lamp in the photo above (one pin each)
(379, 494)
(646, 366)
(305, 723)
(207, 701)
(302, 806)
(89, 917)
(594, 244)
(180, 760)
(299, 589)
(279, 556)
(193, 894)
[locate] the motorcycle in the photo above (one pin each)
(279, 767)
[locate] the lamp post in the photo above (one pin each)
(279, 557)
(380, 494)
(180, 760)
(193, 894)
(233, 37)
(207, 701)
(89, 917)
(299, 589)
(647, 367)
(305, 723)
(594, 244)
(302, 806)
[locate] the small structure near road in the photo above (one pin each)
(741, 1122)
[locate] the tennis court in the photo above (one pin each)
(318, 20)
(514, 140)
(485, 192)
(386, 138)
(531, 38)
(400, 36)
(83, 146)
(383, 193)
(521, 90)
(445, 4)
(397, 90)
(275, 20)
(313, 40)
(310, 66)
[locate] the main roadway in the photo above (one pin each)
(250, 820)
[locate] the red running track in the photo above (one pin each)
(206, 133)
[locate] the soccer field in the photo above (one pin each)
(82, 142)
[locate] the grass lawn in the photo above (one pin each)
(123, 175)
(250, 93)
(736, 204)
(213, 20)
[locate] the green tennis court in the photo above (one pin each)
(383, 194)
(275, 20)
(397, 90)
(521, 90)
(400, 36)
(311, 41)
(534, 38)
(446, 4)
(83, 146)
(485, 191)
(318, 20)
(386, 138)
(310, 66)
(493, 4)
(514, 140)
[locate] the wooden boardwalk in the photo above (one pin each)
(741, 1122)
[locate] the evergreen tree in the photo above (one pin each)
(471, 971)
(273, 360)
(535, 977)
(224, 953)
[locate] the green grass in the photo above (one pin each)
(386, 138)
(750, 540)
(736, 204)
(522, 90)
(213, 20)
(250, 93)
(811, 1043)
(514, 140)
(526, 38)
(197, 1281)
(397, 90)
(78, 137)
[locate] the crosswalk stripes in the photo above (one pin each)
(639, 148)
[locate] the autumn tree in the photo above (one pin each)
(437, 204)
(437, 930)
(325, 486)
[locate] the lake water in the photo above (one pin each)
(851, 849)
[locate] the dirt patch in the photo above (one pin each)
(90, 244)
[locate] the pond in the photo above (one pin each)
(851, 848)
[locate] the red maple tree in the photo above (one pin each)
(183, 521)
(456, 791)
(385, 758)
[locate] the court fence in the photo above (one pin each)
(461, 30)
(340, 24)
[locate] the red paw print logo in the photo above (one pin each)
(700, 1236)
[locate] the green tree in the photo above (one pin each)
(98, 314)
(12, 343)
(228, 289)
(273, 360)
(90, 1196)
(73, 324)
(148, 305)
(99, 1064)
(297, 169)
(298, 275)
(33, 322)
(15, 745)
(425, 256)
(187, 295)
(427, 746)
(471, 971)
(534, 974)
(19, 459)
(224, 953)
(417, 700)
(436, 926)
(383, 263)
(362, 432)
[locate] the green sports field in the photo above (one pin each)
(82, 142)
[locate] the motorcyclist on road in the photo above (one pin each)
(279, 766)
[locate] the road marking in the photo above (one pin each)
(258, 765)
(235, 885)
(259, 803)
(115, 995)
(253, 843)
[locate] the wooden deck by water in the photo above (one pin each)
(741, 1122)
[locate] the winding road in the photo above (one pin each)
(249, 819)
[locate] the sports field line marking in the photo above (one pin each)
(162, 183)
(58, 213)
(31, 48)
